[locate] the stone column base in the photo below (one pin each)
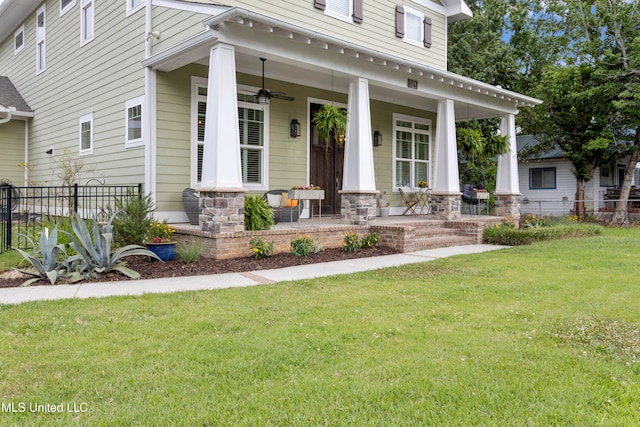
(221, 210)
(446, 205)
(359, 208)
(508, 205)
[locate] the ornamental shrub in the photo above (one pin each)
(258, 215)
(303, 246)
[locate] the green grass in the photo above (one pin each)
(537, 335)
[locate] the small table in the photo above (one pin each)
(309, 195)
(424, 201)
(481, 197)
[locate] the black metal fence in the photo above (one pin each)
(24, 209)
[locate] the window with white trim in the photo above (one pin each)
(346, 10)
(87, 21)
(253, 127)
(133, 122)
(41, 46)
(66, 5)
(86, 135)
(134, 5)
(413, 28)
(412, 151)
(18, 40)
(542, 178)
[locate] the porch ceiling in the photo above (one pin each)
(312, 59)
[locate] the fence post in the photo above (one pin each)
(75, 198)
(9, 221)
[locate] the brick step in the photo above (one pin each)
(440, 242)
(435, 231)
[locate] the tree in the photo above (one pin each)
(574, 115)
(605, 35)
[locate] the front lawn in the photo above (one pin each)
(537, 335)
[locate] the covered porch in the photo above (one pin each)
(378, 90)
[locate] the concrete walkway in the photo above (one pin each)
(230, 280)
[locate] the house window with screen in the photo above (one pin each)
(41, 48)
(542, 178)
(18, 39)
(252, 126)
(133, 122)
(412, 151)
(86, 134)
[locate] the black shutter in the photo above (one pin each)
(320, 4)
(358, 14)
(427, 31)
(399, 21)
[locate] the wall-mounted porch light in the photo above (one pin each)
(294, 128)
(377, 139)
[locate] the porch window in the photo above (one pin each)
(87, 21)
(542, 178)
(40, 40)
(252, 124)
(18, 39)
(86, 135)
(412, 154)
(133, 122)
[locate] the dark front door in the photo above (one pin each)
(327, 159)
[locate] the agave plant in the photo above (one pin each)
(94, 249)
(46, 264)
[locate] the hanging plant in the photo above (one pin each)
(331, 120)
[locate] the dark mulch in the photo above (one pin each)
(176, 268)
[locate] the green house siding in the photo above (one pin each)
(97, 78)
(12, 148)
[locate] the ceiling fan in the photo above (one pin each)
(263, 96)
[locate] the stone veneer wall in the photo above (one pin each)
(508, 205)
(359, 208)
(446, 205)
(221, 211)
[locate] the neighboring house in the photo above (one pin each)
(548, 185)
(163, 92)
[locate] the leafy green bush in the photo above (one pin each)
(501, 235)
(369, 241)
(261, 249)
(303, 246)
(350, 242)
(258, 215)
(134, 215)
(189, 252)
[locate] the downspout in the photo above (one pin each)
(8, 111)
(149, 108)
(26, 153)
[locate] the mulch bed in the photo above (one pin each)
(176, 268)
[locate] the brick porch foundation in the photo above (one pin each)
(507, 205)
(221, 210)
(446, 205)
(359, 208)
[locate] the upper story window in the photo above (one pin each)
(346, 10)
(542, 178)
(134, 5)
(66, 5)
(86, 135)
(41, 46)
(18, 40)
(412, 26)
(87, 21)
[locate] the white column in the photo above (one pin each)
(221, 149)
(445, 178)
(507, 181)
(358, 173)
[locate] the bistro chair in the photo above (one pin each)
(410, 204)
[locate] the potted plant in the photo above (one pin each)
(158, 240)
(306, 192)
(331, 120)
